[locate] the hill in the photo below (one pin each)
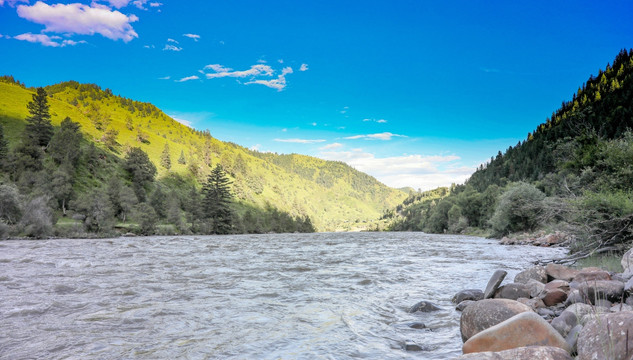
(573, 172)
(332, 195)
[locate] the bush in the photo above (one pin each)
(37, 220)
(518, 209)
(146, 218)
(10, 210)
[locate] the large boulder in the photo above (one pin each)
(512, 291)
(628, 287)
(607, 336)
(462, 305)
(468, 294)
(531, 352)
(565, 322)
(557, 284)
(424, 306)
(560, 272)
(535, 287)
(486, 313)
(611, 290)
(525, 329)
(535, 304)
(537, 273)
(588, 275)
(554, 297)
(494, 282)
(627, 260)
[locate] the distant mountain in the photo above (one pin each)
(332, 194)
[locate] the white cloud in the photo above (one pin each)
(12, 2)
(155, 4)
(169, 47)
(300, 141)
(194, 77)
(281, 61)
(279, 83)
(380, 136)
(118, 3)
(164, 78)
(52, 41)
(149, 46)
(255, 147)
(380, 121)
(417, 171)
(183, 121)
(304, 67)
(81, 19)
(172, 40)
(221, 71)
(195, 37)
(331, 146)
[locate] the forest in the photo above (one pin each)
(572, 173)
(79, 161)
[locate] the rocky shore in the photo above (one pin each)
(550, 312)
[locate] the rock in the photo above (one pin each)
(545, 312)
(532, 352)
(424, 306)
(462, 305)
(557, 284)
(603, 304)
(621, 307)
(537, 273)
(494, 282)
(608, 336)
(535, 304)
(565, 322)
(416, 325)
(485, 313)
(627, 259)
(560, 272)
(413, 347)
(512, 291)
(553, 297)
(468, 294)
(535, 287)
(525, 329)
(572, 338)
(627, 274)
(588, 275)
(575, 297)
(628, 287)
(584, 312)
(611, 290)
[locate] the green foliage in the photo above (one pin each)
(37, 220)
(96, 210)
(217, 200)
(165, 158)
(518, 209)
(181, 159)
(146, 218)
(64, 146)
(10, 200)
(39, 129)
(4, 146)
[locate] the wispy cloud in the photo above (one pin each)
(279, 83)
(12, 2)
(221, 71)
(331, 146)
(304, 67)
(188, 78)
(183, 121)
(164, 78)
(301, 141)
(195, 37)
(379, 121)
(52, 41)
(172, 40)
(418, 171)
(169, 47)
(380, 136)
(80, 19)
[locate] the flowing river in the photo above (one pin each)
(290, 296)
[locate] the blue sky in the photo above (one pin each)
(415, 93)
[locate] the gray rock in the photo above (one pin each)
(424, 306)
(603, 303)
(532, 352)
(537, 273)
(627, 259)
(565, 322)
(575, 297)
(483, 314)
(572, 338)
(560, 272)
(628, 287)
(494, 282)
(413, 347)
(611, 290)
(589, 275)
(608, 336)
(512, 291)
(546, 313)
(416, 325)
(535, 287)
(468, 294)
(535, 304)
(621, 307)
(462, 305)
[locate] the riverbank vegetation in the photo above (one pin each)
(77, 160)
(573, 173)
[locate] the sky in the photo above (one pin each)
(415, 93)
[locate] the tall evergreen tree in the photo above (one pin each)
(39, 129)
(181, 159)
(64, 146)
(3, 146)
(217, 200)
(165, 159)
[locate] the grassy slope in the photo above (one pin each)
(334, 195)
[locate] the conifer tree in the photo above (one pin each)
(217, 200)
(181, 159)
(39, 129)
(64, 146)
(3, 145)
(165, 159)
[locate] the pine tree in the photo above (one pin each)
(64, 146)
(165, 159)
(3, 145)
(181, 159)
(39, 129)
(217, 200)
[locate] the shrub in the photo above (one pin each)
(518, 209)
(37, 220)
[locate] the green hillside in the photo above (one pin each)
(333, 195)
(573, 173)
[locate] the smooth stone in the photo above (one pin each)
(537, 273)
(532, 352)
(535, 304)
(413, 347)
(462, 305)
(424, 306)
(535, 287)
(557, 284)
(512, 291)
(525, 329)
(565, 322)
(468, 294)
(416, 325)
(603, 304)
(546, 312)
(553, 297)
(611, 290)
(628, 287)
(486, 313)
(494, 282)
(588, 275)
(572, 338)
(560, 272)
(608, 336)
(627, 259)
(575, 297)
(621, 307)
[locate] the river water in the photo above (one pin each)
(297, 296)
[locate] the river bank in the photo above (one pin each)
(550, 312)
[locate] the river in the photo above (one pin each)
(290, 296)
